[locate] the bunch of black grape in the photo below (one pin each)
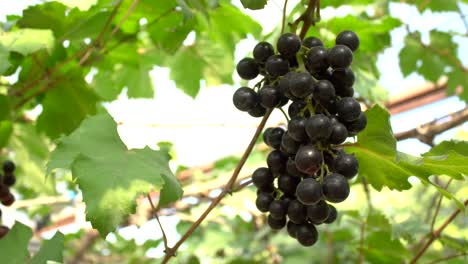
(307, 169)
(7, 180)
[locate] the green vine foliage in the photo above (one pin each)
(69, 58)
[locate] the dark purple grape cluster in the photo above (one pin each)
(307, 169)
(7, 180)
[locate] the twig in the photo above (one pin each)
(85, 243)
(154, 212)
(310, 16)
(97, 42)
(283, 22)
(426, 132)
(448, 257)
(226, 190)
(365, 185)
(439, 203)
(436, 234)
(361, 242)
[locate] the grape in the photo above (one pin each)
(273, 137)
(288, 184)
(297, 212)
(332, 214)
(295, 108)
(310, 42)
(247, 69)
(257, 111)
(263, 201)
(8, 166)
(340, 56)
(3, 231)
(245, 99)
(276, 66)
(276, 161)
(288, 44)
(339, 134)
(322, 75)
(292, 170)
(9, 200)
(318, 127)
(346, 165)
(276, 224)
(348, 109)
(262, 177)
(348, 38)
(335, 188)
(262, 51)
(293, 63)
(307, 234)
(318, 212)
(292, 229)
(278, 209)
(345, 92)
(357, 125)
(289, 145)
(309, 191)
(308, 159)
(330, 106)
(269, 97)
(4, 191)
(324, 91)
(301, 84)
(317, 59)
(283, 100)
(9, 179)
(296, 129)
(342, 78)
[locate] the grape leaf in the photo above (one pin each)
(6, 128)
(382, 166)
(51, 250)
(110, 175)
(27, 41)
(64, 107)
(14, 246)
(4, 63)
(457, 78)
(444, 147)
(31, 152)
(82, 4)
(254, 4)
(152, 10)
(49, 15)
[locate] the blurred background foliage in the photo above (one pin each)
(62, 61)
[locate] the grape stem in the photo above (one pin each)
(310, 16)
(283, 23)
(170, 252)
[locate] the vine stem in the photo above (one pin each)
(435, 235)
(283, 23)
(226, 190)
(439, 203)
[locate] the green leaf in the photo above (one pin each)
(367, 86)
(382, 166)
(6, 128)
(410, 55)
(125, 67)
(170, 31)
(49, 15)
(152, 10)
(66, 105)
(461, 147)
(4, 107)
(456, 79)
(110, 176)
(14, 246)
(82, 4)
(51, 250)
(374, 34)
(31, 153)
(254, 4)
(4, 63)
(189, 79)
(27, 41)
(380, 248)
